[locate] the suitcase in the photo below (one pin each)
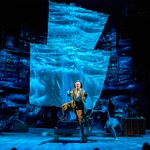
(134, 126)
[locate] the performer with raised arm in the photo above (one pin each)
(78, 97)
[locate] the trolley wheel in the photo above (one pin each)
(56, 138)
(84, 139)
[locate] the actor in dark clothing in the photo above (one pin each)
(107, 121)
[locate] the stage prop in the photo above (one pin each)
(65, 128)
(9, 120)
(68, 125)
(134, 126)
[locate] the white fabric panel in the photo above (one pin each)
(68, 56)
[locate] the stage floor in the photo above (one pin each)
(43, 139)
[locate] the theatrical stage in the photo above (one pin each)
(43, 139)
(53, 44)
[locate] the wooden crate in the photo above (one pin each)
(134, 126)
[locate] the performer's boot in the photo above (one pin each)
(82, 129)
(84, 138)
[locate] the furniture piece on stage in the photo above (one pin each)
(9, 119)
(134, 126)
(71, 126)
(65, 128)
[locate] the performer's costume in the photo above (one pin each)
(77, 105)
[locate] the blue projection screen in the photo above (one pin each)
(68, 56)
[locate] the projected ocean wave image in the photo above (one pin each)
(68, 56)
